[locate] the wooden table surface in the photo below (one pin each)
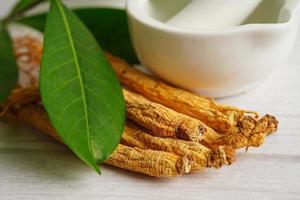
(33, 166)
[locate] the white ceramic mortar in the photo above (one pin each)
(217, 62)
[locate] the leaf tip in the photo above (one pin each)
(97, 169)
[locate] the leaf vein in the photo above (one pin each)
(61, 87)
(67, 107)
(74, 126)
(57, 68)
(87, 60)
(93, 93)
(57, 50)
(69, 33)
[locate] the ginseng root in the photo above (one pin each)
(248, 131)
(174, 114)
(164, 122)
(219, 117)
(28, 51)
(198, 155)
(150, 162)
(30, 111)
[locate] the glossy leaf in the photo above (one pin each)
(79, 88)
(109, 26)
(8, 66)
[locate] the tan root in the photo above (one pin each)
(187, 132)
(249, 132)
(219, 117)
(28, 51)
(164, 122)
(150, 162)
(198, 155)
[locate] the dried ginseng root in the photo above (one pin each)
(21, 96)
(188, 155)
(219, 117)
(150, 162)
(164, 122)
(249, 132)
(28, 51)
(198, 155)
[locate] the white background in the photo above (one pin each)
(33, 166)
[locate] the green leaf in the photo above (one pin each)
(79, 88)
(37, 22)
(109, 26)
(23, 5)
(8, 66)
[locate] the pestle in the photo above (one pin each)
(213, 14)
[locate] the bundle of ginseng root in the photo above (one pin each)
(168, 132)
